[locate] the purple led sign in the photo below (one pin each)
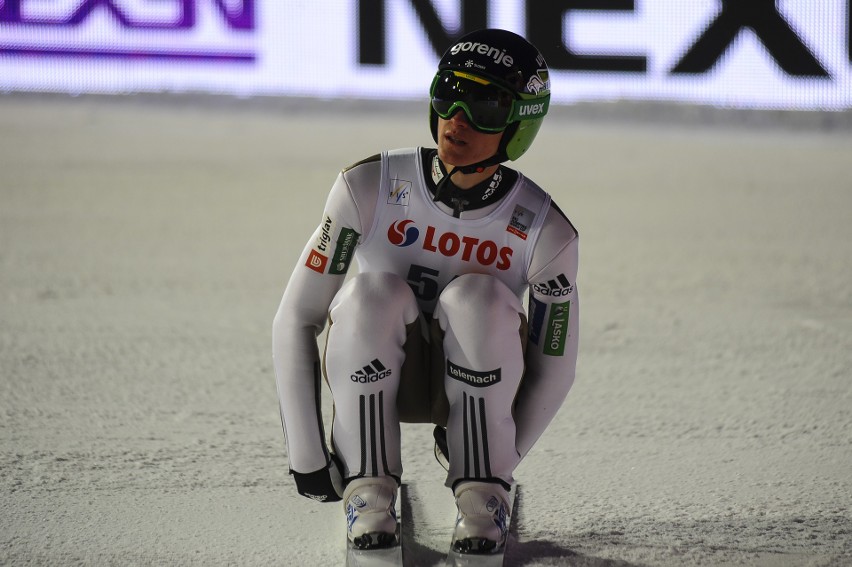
(234, 19)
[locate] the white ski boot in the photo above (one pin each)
(370, 505)
(482, 522)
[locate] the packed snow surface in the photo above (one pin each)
(144, 247)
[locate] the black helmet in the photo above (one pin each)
(494, 57)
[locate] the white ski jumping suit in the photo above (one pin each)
(432, 326)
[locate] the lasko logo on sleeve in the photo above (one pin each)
(557, 329)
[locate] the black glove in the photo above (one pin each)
(323, 485)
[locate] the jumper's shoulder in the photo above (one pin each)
(372, 159)
(557, 226)
(556, 249)
(556, 223)
(357, 186)
(363, 177)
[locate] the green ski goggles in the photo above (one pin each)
(488, 107)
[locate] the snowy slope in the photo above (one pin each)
(143, 250)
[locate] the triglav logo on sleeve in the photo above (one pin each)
(318, 257)
(344, 248)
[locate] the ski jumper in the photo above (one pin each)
(432, 327)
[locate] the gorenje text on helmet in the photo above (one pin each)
(495, 53)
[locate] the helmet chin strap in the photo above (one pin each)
(477, 167)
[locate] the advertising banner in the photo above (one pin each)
(778, 54)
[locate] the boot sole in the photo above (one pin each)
(375, 540)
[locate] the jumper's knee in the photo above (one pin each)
(475, 308)
(378, 304)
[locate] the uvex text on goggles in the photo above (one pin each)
(489, 107)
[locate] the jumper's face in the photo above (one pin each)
(459, 144)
